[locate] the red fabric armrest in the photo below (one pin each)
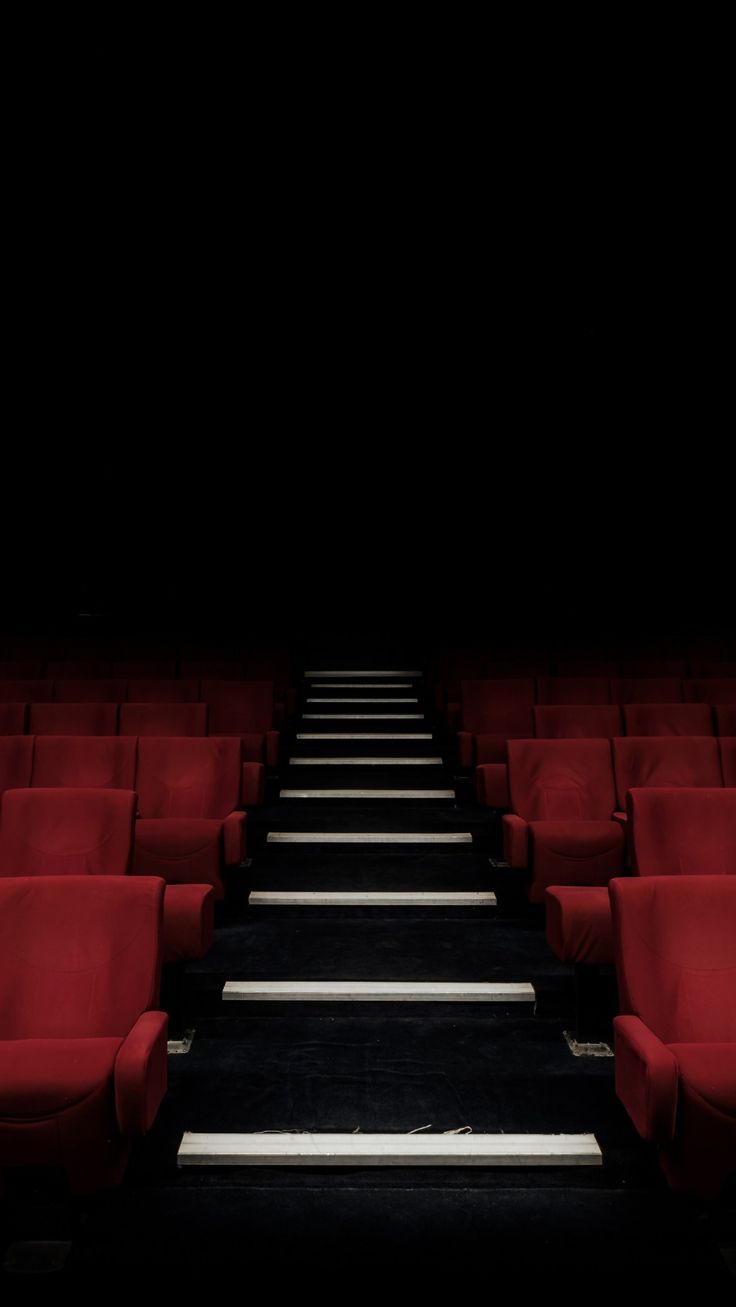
(515, 840)
(189, 922)
(233, 830)
(646, 1079)
(272, 748)
(492, 784)
(141, 1074)
(253, 784)
(465, 749)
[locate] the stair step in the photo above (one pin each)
(367, 794)
(378, 991)
(363, 716)
(373, 898)
(368, 837)
(354, 672)
(365, 762)
(343, 699)
(360, 685)
(294, 1148)
(364, 735)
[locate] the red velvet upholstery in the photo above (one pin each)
(89, 691)
(727, 749)
(573, 689)
(73, 719)
(675, 944)
(189, 922)
(238, 707)
(712, 668)
(101, 762)
(16, 761)
(13, 718)
(146, 690)
(66, 832)
(496, 710)
(163, 719)
(646, 689)
(187, 789)
(716, 690)
(669, 760)
(725, 719)
(668, 719)
(683, 832)
(562, 792)
(26, 691)
(492, 785)
(82, 1058)
(579, 923)
(85, 669)
(577, 721)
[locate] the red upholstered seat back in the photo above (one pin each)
(16, 761)
(89, 691)
(73, 719)
(238, 707)
(668, 719)
(715, 690)
(147, 690)
(561, 780)
(79, 955)
(84, 761)
(493, 707)
(26, 691)
(577, 721)
(573, 689)
(163, 719)
(642, 761)
(646, 689)
(66, 832)
(188, 777)
(727, 747)
(675, 942)
(726, 718)
(13, 717)
(683, 832)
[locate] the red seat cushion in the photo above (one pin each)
(709, 1070)
(43, 1076)
(180, 849)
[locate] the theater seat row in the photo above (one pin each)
(568, 798)
(268, 667)
(494, 711)
(191, 793)
(245, 709)
(684, 831)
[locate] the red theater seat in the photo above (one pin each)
(246, 709)
(561, 827)
(25, 691)
(73, 719)
(153, 691)
(577, 721)
(668, 719)
(727, 748)
(494, 711)
(189, 791)
(669, 760)
(713, 668)
(573, 689)
(683, 832)
(726, 718)
(83, 1065)
(163, 719)
(218, 669)
(675, 943)
(579, 924)
(16, 761)
(13, 718)
(70, 832)
(716, 690)
(89, 691)
(646, 689)
(86, 761)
